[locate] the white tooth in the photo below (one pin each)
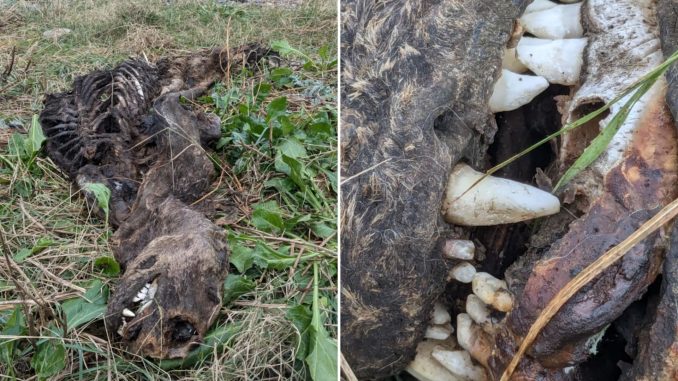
(459, 363)
(514, 90)
(143, 306)
(425, 368)
(493, 200)
(492, 291)
(120, 330)
(539, 5)
(561, 21)
(472, 338)
(459, 249)
(477, 310)
(152, 289)
(463, 272)
(128, 313)
(439, 332)
(440, 314)
(137, 298)
(509, 61)
(559, 61)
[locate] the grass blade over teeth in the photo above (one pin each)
(642, 85)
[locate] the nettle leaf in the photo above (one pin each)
(108, 265)
(235, 286)
(49, 359)
(101, 193)
(300, 315)
(267, 216)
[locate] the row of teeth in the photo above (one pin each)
(444, 357)
(555, 56)
(143, 299)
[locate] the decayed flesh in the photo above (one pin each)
(633, 178)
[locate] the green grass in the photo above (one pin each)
(275, 196)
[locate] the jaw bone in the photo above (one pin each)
(555, 22)
(493, 200)
(559, 61)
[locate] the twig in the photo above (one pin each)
(588, 274)
(8, 70)
(346, 369)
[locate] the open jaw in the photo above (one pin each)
(490, 273)
(623, 188)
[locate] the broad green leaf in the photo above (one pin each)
(15, 326)
(267, 216)
(297, 173)
(49, 359)
(300, 315)
(17, 146)
(322, 359)
(109, 266)
(102, 195)
(35, 138)
(276, 108)
(80, 311)
(322, 230)
(241, 256)
(236, 286)
(285, 49)
(292, 147)
(22, 254)
(42, 244)
(214, 340)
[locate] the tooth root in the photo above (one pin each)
(472, 338)
(539, 5)
(493, 201)
(425, 368)
(128, 313)
(459, 249)
(560, 21)
(463, 272)
(459, 363)
(559, 61)
(492, 291)
(509, 61)
(440, 314)
(439, 332)
(514, 90)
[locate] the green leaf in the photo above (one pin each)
(241, 256)
(236, 286)
(42, 244)
(81, 311)
(322, 359)
(49, 359)
(17, 146)
(276, 108)
(300, 315)
(600, 143)
(322, 230)
(102, 195)
(15, 326)
(267, 216)
(292, 147)
(109, 266)
(297, 172)
(285, 49)
(35, 138)
(22, 255)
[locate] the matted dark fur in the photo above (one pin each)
(415, 83)
(130, 129)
